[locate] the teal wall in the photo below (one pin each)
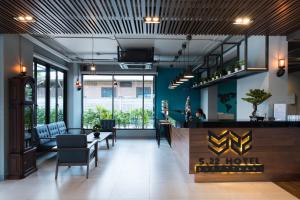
(227, 92)
(177, 97)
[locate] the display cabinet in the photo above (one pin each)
(22, 158)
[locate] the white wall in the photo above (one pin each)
(277, 86)
(244, 109)
(74, 98)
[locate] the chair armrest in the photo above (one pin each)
(94, 143)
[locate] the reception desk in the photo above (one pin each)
(239, 151)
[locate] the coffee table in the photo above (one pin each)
(91, 138)
(103, 136)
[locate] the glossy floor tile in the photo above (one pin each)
(135, 169)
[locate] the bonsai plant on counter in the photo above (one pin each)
(256, 97)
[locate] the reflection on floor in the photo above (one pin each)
(133, 169)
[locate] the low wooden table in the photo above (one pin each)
(91, 138)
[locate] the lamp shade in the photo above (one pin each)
(281, 63)
(188, 73)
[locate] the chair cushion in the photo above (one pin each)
(53, 130)
(42, 132)
(71, 141)
(62, 127)
(107, 124)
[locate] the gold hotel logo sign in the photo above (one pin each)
(221, 144)
(229, 141)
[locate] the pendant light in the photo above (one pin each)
(78, 85)
(182, 78)
(189, 71)
(93, 66)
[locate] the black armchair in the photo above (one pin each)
(108, 125)
(73, 150)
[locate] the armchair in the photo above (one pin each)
(73, 150)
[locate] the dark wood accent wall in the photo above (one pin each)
(278, 149)
(180, 143)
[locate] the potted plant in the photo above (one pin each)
(236, 67)
(242, 64)
(256, 97)
(216, 75)
(96, 128)
(230, 69)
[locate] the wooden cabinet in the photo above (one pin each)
(22, 160)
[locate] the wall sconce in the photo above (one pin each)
(281, 67)
(78, 85)
(23, 70)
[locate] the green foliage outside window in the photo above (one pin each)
(40, 117)
(123, 119)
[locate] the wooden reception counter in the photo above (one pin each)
(239, 151)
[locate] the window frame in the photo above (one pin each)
(48, 68)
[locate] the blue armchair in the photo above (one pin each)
(73, 150)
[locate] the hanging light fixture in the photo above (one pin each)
(178, 81)
(78, 85)
(189, 71)
(93, 66)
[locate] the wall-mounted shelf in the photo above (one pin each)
(234, 75)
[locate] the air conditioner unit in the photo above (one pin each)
(136, 58)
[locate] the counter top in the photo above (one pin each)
(235, 124)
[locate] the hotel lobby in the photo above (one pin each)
(150, 99)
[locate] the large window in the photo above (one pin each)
(131, 103)
(41, 93)
(50, 90)
(97, 99)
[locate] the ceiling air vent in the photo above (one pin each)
(136, 66)
(136, 59)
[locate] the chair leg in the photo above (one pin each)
(115, 136)
(113, 141)
(56, 170)
(107, 143)
(96, 154)
(87, 170)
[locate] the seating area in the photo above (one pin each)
(45, 135)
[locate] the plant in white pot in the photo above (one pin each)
(236, 67)
(242, 64)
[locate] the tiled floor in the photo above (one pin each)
(133, 169)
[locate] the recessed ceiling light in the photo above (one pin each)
(151, 20)
(26, 18)
(242, 21)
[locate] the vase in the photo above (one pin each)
(96, 134)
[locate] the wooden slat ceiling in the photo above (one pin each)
(273, 17)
